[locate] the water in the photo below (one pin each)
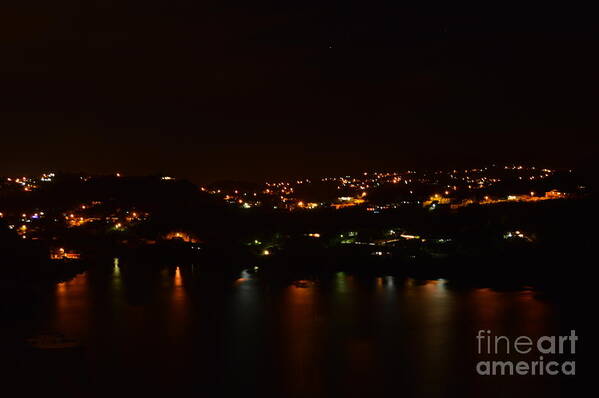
(175, 330)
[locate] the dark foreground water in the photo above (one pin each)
(174, 331)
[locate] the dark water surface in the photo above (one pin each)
(174, 330)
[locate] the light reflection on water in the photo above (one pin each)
(344, 334)
(71, 305)
(179, 316)
(301, 329)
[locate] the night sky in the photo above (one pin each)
(208, 90)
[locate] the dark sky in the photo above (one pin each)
(209, 91)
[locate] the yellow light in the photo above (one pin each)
(408, 236)
(266, 252)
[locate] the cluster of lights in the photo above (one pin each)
(357, 186)
(78, 217)
(29, 184)
(520, 235)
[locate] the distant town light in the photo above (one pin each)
(408, 236)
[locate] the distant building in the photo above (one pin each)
(555, 194)
(180, 235)
(63, 254)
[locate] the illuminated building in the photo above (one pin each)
(180, 235)
(63, 254)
